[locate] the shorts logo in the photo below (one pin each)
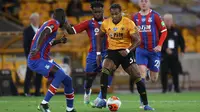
(131, 60)
(47, 66)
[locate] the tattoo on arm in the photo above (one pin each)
(135, 40)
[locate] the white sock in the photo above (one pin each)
(44, 102)
(69, 109)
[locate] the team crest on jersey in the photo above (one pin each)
(115, 29)
(150, 20)
(143, 19)
(96, 30)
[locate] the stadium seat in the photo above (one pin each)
(72, 20)
(84, 18)
(60, 4)
(190, 43)
(86, 6)
(44, 7)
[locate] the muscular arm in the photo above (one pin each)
(40, 40)
(69, 28)
(99, 40)
(135, 40)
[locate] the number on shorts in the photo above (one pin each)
(131, 60)
(157, 63)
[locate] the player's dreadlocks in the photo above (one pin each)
(96, 4)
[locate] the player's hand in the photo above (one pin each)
(98, 59)
(63, 39)
(157, 48)
(169, 51)
(34, 52)
(124, 53)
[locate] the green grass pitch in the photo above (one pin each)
(170, 102)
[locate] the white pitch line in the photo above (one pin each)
(123, 101)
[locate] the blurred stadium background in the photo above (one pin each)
(14, 17)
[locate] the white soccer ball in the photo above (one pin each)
(113, 104)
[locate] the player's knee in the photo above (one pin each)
(154, 77)
(106, 71)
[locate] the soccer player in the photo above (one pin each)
(92, 28)
(40, 62)
(123, 37)
(150, 26)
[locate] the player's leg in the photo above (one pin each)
(110, 77)
(48, 69)
(108, 67)
(91, 72)
(154, 66)
(132, 69)
(142, 61)
(68, 90)
(69, 93)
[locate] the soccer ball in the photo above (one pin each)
(113, 103)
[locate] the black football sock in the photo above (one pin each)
(142, 90)
(104, 82)
(88, 82)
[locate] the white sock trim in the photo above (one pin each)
(69, 109)
(44, 102)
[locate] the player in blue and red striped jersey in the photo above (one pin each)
(92, 28)
(40, 62)
(153, 32)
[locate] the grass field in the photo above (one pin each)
(170, 102)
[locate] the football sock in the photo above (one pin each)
(141, 102)
(58, 77)
(69, 92)
(88, 82)
(104, 82)
(110, 78)
(142, 91)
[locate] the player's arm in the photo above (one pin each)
(162, 29)
(135, 36)
(99, 37)
(63, 40)
(77, 28)
(69, 28)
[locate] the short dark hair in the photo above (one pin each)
(116, 6)
(96, 4)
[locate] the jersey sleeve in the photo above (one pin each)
(53, 25)
(103, 29)
(132, 27)
(81, 27)
(160, 23)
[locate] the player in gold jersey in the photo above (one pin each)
(123, 37)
